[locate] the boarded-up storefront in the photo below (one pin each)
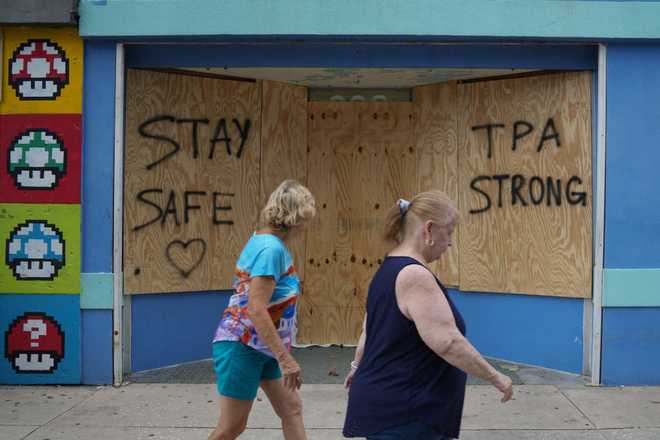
(203, 153)
(525, 185)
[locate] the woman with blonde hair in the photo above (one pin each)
(408, 377)
(251, 346)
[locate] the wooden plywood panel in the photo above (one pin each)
(526, 194)
(362, 158)
(436, 121)
(284, 147)
(332, 127)
(329, 324)
(384, 170)
(192, 185)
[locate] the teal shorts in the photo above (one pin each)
(239, 369)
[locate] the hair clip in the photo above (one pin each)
(403, 206)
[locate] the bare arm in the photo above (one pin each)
(421, 300)
(359, 351)
(261, 290)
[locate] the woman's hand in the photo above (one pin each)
(261, 290)
(504, 385)
(291, 372)
(349, 377)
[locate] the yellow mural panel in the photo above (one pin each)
(42, 70)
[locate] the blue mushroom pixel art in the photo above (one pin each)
(35, 250)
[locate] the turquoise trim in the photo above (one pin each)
(96, 291)
(631, 288)
(448, 18)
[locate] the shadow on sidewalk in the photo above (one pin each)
(329, 365)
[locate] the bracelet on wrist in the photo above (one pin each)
(354, 365)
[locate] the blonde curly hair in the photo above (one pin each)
(288, 206)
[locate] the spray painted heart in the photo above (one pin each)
(186, 256)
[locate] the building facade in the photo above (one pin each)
(139, 144)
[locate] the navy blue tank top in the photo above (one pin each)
(400, 379)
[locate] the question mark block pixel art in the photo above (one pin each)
(42, 70)
(40, 339)
(40, 249)
(34, 343)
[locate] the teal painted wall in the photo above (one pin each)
(466, 18)
(96, 291)
(631, 288)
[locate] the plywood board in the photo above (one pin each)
(192, 180)
(329, 324)
(383, 172)
(436, 121)
(526, 194)
(331, 127)
(362, 158)
(284, 147)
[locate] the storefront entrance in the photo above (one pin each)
(203, 152)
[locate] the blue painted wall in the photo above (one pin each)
(97, 197)
(96, 347)
(631, 346)
(169, 329)
(631, 335)
(174, 328)
(536, 330)
(360, 54)
(632, 208)
(98, 156)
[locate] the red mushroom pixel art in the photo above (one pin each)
(34, 343)
(38, 69)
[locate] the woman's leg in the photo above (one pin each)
(233, 418)
(288, 406)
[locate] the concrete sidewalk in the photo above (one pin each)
(189, 411)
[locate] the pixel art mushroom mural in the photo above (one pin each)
(38, 69)
(34, 343)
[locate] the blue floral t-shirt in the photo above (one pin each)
(263, 255)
